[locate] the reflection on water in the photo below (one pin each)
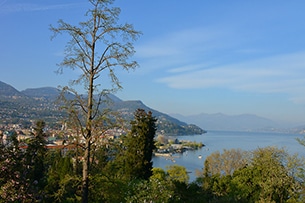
(219, 140)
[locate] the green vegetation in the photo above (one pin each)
(23, 173)
(265, 175)
(171, 128)
(139, 145)
(193, 145)
(121, 171)
(166, 146)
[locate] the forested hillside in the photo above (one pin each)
(41, 103)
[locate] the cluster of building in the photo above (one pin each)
(54, 138)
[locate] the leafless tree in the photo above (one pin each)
(98, 46)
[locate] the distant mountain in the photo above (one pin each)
(7, 91)
(19, 108)
(133, 105)
(165, 123)
(219, 121)
(43, 92)
(39, 103)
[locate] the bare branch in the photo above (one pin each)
(97, 44)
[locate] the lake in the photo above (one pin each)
(219, 140)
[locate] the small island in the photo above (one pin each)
(168, 147)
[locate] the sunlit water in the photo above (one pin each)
(219, 140)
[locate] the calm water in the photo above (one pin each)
(219, 140)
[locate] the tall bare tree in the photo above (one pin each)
(97, 47)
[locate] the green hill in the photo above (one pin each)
(39, 103)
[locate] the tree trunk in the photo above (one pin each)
(85, 180)
(88, 136)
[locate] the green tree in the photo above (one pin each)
(301, 141)
(35, 160)
(97, 45)
(22, 172)
(62, 180)
(13, 183)
(165, 186)
(269, 177)
(108, 185)
(225, 163)
(266, 175)
(139, 145)
(153, 190)
(178, 173)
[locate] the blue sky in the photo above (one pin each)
(195, 56)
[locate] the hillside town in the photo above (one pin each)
(66, 138)
(55, 138)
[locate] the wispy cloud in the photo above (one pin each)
(224, 57)
(277, 74)
(183, 42)
(7, 7)
(188, 68)
(179, 50)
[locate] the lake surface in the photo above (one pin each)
(219, 140)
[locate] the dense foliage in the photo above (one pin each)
(34, 174)
(139, 146)
(23, 172)
(264, 175)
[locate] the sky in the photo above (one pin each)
(198, 56)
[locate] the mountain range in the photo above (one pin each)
(39, 103)
(242, 122)
(29, 104)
